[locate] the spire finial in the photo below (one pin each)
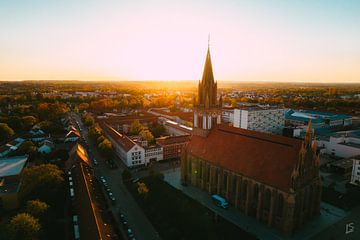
(209, 40)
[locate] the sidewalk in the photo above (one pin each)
(329, 214)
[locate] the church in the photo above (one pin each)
(272, 178)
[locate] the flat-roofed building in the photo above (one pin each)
(341, 144)
(318, 119)
(270, 119)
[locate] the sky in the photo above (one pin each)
(254, 40)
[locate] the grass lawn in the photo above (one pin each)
(176, 216)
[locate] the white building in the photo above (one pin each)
(342, 144)
(262, 119)
(227, 115)
(153, 153)
(131, 153)
(355, 174)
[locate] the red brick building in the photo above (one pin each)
(272, 178)
(173, 145)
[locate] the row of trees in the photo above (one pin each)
(41, 184)
(102, 143)
(149, 133)
(8, 125)
(137, 128)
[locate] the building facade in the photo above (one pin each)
(318, 119)
(269, 177)
(343, 144)
(173, 145)
(227, 115)
(262, 119)
(130, 153)
(355, 173)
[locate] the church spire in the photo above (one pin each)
(207, 86)
(207, 112)
(308, 134)
(208, 76)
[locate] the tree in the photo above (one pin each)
(83, 106)
(157, 130)
(42, 181)
(24, 226)
(100, 139)
(51, 126)
(29, 121)
(146, 134)
(95, 131)
(142, 189)
(233, 103)
(27, 147)
(16, 123)
(36, 208)
(5, 132)
(88, 120)
(52, 111)
(61, 154)
(136, 127)
(105, 147)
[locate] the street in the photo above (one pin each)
(137, 220)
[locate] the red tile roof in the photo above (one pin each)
(168, 140)
(82, 154)
(125, 142)
(72, 133)
(263, 157)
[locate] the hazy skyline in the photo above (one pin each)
(167, 40)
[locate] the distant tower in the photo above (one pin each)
(207, 111)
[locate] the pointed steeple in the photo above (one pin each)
(207, 86)
(308, 135)
(314, 145)
(207, 112)
(208, 76)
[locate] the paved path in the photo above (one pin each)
(349, 224)
(137, 220)
(329, 214)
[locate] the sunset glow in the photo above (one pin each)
(167, 40)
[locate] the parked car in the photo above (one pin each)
(130, 233)
(102, 178)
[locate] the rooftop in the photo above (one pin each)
(12, 166)
(344, 163)
(314, 116)
(278, 154)
(260, 107)
(125, 142)
(172, 140)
